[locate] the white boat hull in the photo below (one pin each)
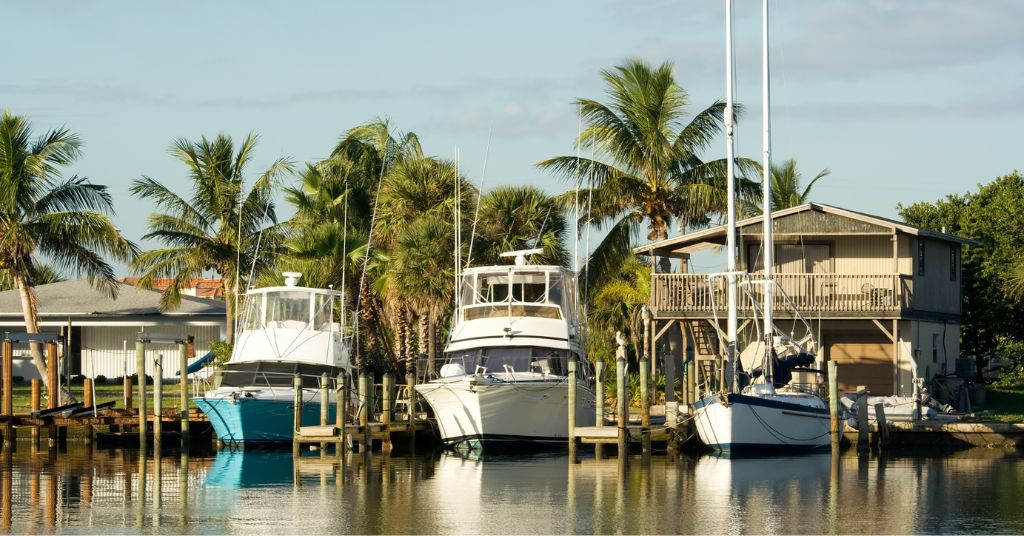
(474, 409)
(764, 421)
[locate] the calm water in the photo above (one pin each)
(83, 491)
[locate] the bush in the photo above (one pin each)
(1011, 350)
(18, 379)
(221, 353)
(99, 379)
(78, 379)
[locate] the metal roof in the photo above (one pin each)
(78, 297)
(713, 236)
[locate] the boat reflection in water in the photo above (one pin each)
(82, 490)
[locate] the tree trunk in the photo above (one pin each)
(30, 311)
(229, 312)
(431, 346)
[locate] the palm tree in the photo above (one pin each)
(63, 220)
(518, 217)
(221, 228)
(786, 190)
(655, 173)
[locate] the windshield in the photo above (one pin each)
(288, 309)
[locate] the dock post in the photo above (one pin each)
(599, 404)
(883, 427)
(365, 399)
(140, 375)
(410, 382)
(8, 404)
(52, 366)
(691, 383)
(53, 391)
(862, 419)
(88, 402)
(571, 418)
(387, 394)
(835, 427)
(158, 405)
(36, 390)
(183, 393)
(296, 413)
(645, 408)
(340, 409)
(620, 400)
(325, 401)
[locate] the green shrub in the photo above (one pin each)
(221, 353)
(1013, 351)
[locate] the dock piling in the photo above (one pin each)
(573, 458)
(8, 403)
(341, 410)
(645, 408)
(140, 373)
(599, 404)
(35, 402)
(158, 404)
(410, 382)
(835, 427)
(883, 427)
(862, 419)
(388, 396)
(620, 400)
(183, 393)
(296, 412)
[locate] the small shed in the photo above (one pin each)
(100, 331)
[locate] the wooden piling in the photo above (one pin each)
(325, 401)
(340, 411)
(183, 393)
(366, 397)
(296, 412)
(883, 427)
(599, 404)
(53, 389)
(835, 427)
(158, 405)
(691, 383)
(127, 387)
(7, 352)
(862, 419)
(571, 418)
(36, 390)
(87, 392)
(387, 394)
(623, 404)
(140, 374)
(410, 382)
(645, 406)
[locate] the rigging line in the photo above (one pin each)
(256, 254)
(479, 194)
(576, 195)
(369, 241)
(586, 275)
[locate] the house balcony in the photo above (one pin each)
(811, 294)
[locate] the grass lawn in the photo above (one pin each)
(104, 393)
(1004, 404)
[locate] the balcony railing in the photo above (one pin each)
(808, 293)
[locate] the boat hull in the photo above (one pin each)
(245, 420)
(762, 422)
(472, 412)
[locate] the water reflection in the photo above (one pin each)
(85, 490)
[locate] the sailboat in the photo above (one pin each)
(505, 376)
(285, 331)
(768, 412)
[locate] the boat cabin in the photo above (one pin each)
(292, 323)
(530, 291)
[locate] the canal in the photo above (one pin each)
(85, 490)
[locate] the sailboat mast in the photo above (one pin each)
(730, 344)
(766, 184)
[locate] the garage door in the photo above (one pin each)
(864, 363)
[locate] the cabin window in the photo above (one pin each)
(252, 316)
(952, 262)
(920, 256)
(288, 310)
(493, 288)
(529, 287)
(323, 314)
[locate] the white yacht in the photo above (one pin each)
(284, 331)
(505, 372)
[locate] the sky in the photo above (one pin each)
(902, 101)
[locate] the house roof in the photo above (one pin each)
(203, 287)
(78, 297)
(688, 243)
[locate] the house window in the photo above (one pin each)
(952, 262)
(920, 256)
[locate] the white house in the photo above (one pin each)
(100, 332)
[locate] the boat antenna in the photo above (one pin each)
(730, 148)
(479, 195)
(458, 230)
(537, 242)
(766, 201)
(256, 254)
(344, 251)
(576, 194)
(369, 241)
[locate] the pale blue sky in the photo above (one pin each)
(903, 101)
